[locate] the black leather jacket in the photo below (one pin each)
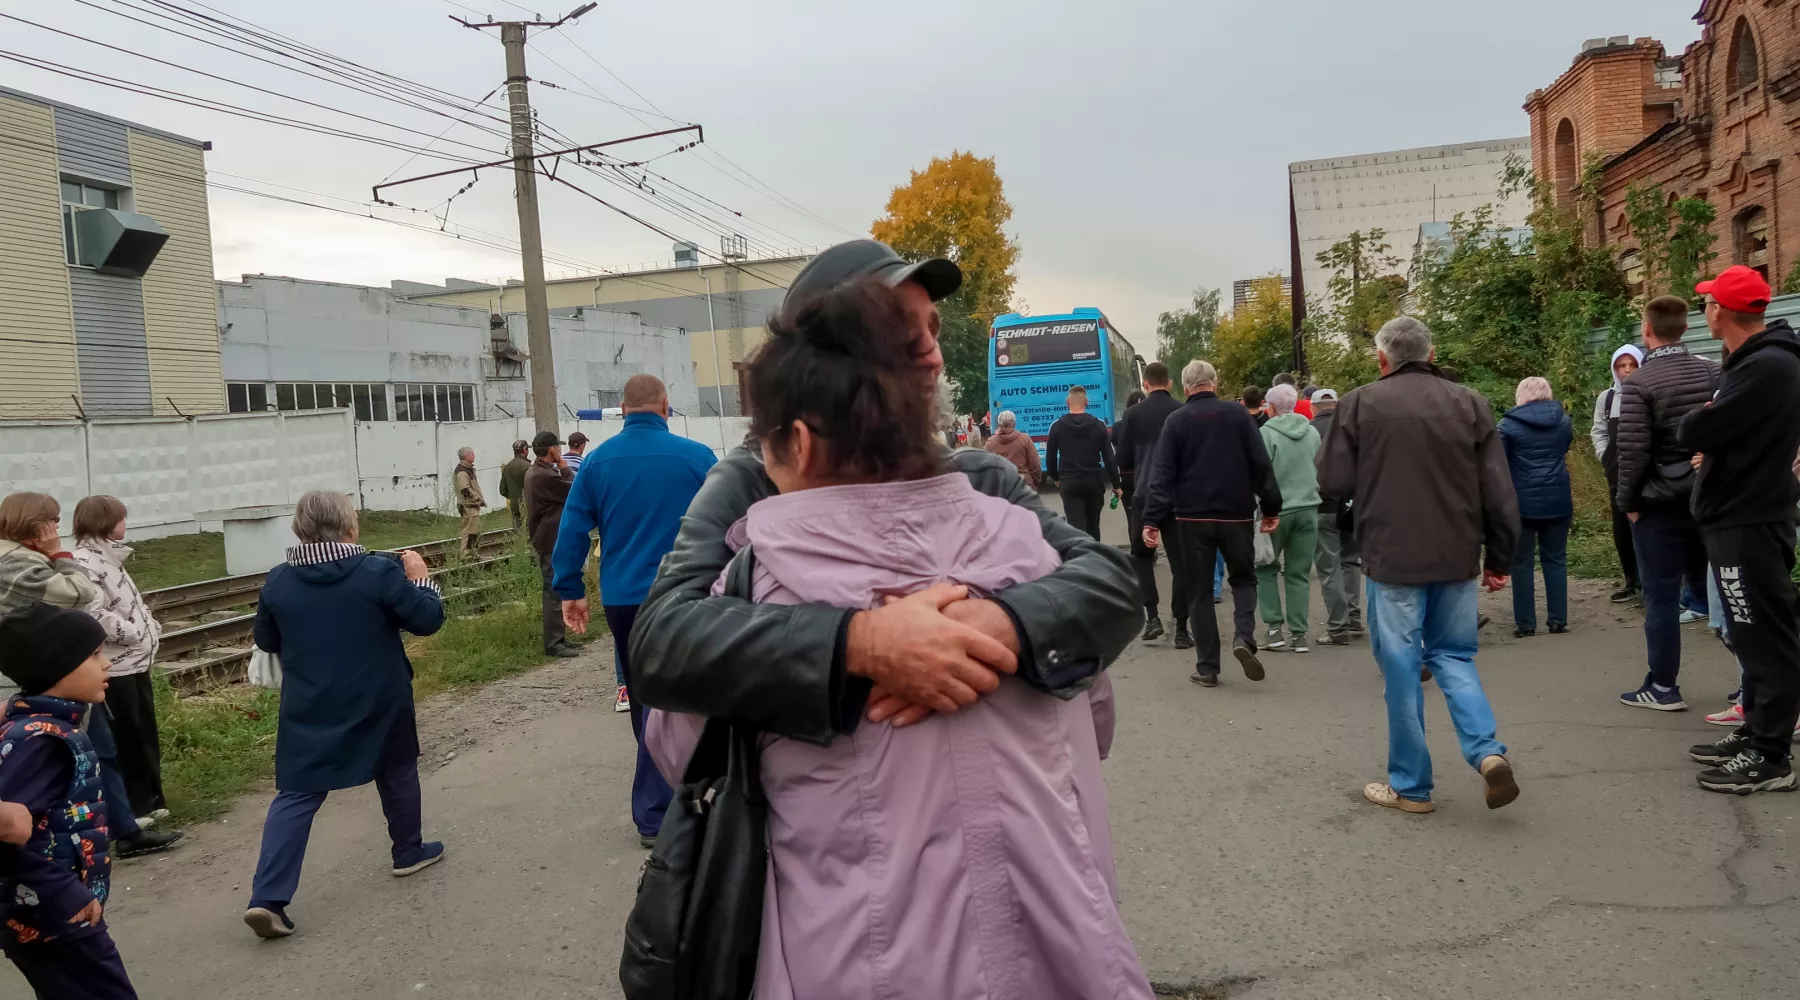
(780, 667)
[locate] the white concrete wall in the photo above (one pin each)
(168, 469)
(600, 350)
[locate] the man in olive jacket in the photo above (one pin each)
(1422, 461)
(810, 672)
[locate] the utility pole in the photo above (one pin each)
(531, 235)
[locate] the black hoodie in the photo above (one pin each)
(1080, 445)
(1750, 435)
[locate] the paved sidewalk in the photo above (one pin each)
(1249, 863)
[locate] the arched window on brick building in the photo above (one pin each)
(1567, 175)
(1631, 265)
(1745, 68)
(1750, 239)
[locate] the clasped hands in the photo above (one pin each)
(935, 651)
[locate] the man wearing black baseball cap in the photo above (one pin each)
(806, 671)
(1744, 497)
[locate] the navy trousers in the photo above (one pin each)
(650, 794)
(121, 824)
(289, 826)
(87, 968)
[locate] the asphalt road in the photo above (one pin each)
(1249, 864)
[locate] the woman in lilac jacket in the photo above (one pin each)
(967, 856)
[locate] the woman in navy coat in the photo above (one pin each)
(334, 613)
(1537, 434)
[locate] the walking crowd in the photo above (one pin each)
(867, 673)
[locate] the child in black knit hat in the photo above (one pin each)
(53, 888)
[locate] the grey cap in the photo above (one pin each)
(869, 258)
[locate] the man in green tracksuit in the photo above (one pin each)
(1293, 445)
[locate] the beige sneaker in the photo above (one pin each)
(1383, 794)
(1502, 787)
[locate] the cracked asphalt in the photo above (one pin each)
(1249, 865)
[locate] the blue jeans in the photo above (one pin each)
(120, 823)
(1432, 625)
(1669, 548)
(1218, 575)
(1548, 541)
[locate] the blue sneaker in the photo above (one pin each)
(428, 854)
(1660, 701)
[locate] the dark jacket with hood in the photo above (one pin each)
(1322, 422)
(1080, 445)
(346, 684)
(1537, 436)
(1750, 435)
(1136, 434)
(780, 668)
(1211, 465)
(1419, 456)
(1671, 384)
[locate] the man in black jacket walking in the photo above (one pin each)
(1211, 470)
(1134, 439)
(1338, 561)
(1744, 501)
(1656, 482)
(1078, 457)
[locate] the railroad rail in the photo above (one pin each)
(188, 601)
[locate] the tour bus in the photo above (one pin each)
(1033, 360)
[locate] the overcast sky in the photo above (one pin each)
(1143, 143)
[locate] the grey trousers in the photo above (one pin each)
(1340, 574)
(553, 615)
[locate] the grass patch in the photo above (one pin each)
(1591, 554)
(217, 745)
(178, 559)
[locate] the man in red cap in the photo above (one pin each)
(1744, 501)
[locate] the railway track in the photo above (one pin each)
(197, 654)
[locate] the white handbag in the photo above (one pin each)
(1265, 542)
(265, 668)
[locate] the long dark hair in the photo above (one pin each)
(844, 364)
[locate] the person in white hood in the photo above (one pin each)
(1625, 360)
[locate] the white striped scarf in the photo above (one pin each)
(316, 553)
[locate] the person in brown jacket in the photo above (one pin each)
(547, 485)
(469, 500)
(1016, 448)
(1422, 462)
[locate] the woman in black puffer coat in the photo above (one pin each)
(1537, 434)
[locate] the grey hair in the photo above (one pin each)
(324, 516)
(1008, 419)
(1533, 389)
(465, 453)
(1404, 339)
(1283, 398)
(1198, 373)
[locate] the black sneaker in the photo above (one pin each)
(1720, 752)
(1246, 657)
(1748, 772)
(146, 842)
(1559, 628)
(269, 921)
(1205, 680)
(1356, 625)
(1481, 622)
(1153, 628)
(1624, 594)
(1522, 633)
(1335, 637)
(1183, 640)
(562, 651)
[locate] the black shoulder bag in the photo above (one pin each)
(696, 927)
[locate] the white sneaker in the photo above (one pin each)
(1690, 617)
(1275, 640)
(1733, 715)
(623, 703)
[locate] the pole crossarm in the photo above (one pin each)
(566, 18)
(510, 162)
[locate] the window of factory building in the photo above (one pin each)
(369, 400)
(1752, 232)
(79, 197)
(434, 401)
(1744, 65)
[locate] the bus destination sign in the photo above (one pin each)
(1047, 343)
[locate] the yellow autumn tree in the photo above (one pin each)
(1255, 343)
(956, 208)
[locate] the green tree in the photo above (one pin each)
(1256, 343)
(1674, 240)
(1185, 334)
(956, 208)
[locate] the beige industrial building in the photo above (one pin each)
(106, 259)
(722, 306)
(1396, 192)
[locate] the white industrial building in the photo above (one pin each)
(1396, 192)
(293, 345)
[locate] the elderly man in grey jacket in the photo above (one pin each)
(812, 672)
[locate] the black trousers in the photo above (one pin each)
(1143, 560)
(1084, 496)
(1753, 563)
(1202, 542)
(132, 700)
(86, 968)
(1621, 532)
(553, 616)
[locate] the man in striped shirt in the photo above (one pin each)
(578, 443)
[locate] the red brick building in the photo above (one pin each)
(1719, 123)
